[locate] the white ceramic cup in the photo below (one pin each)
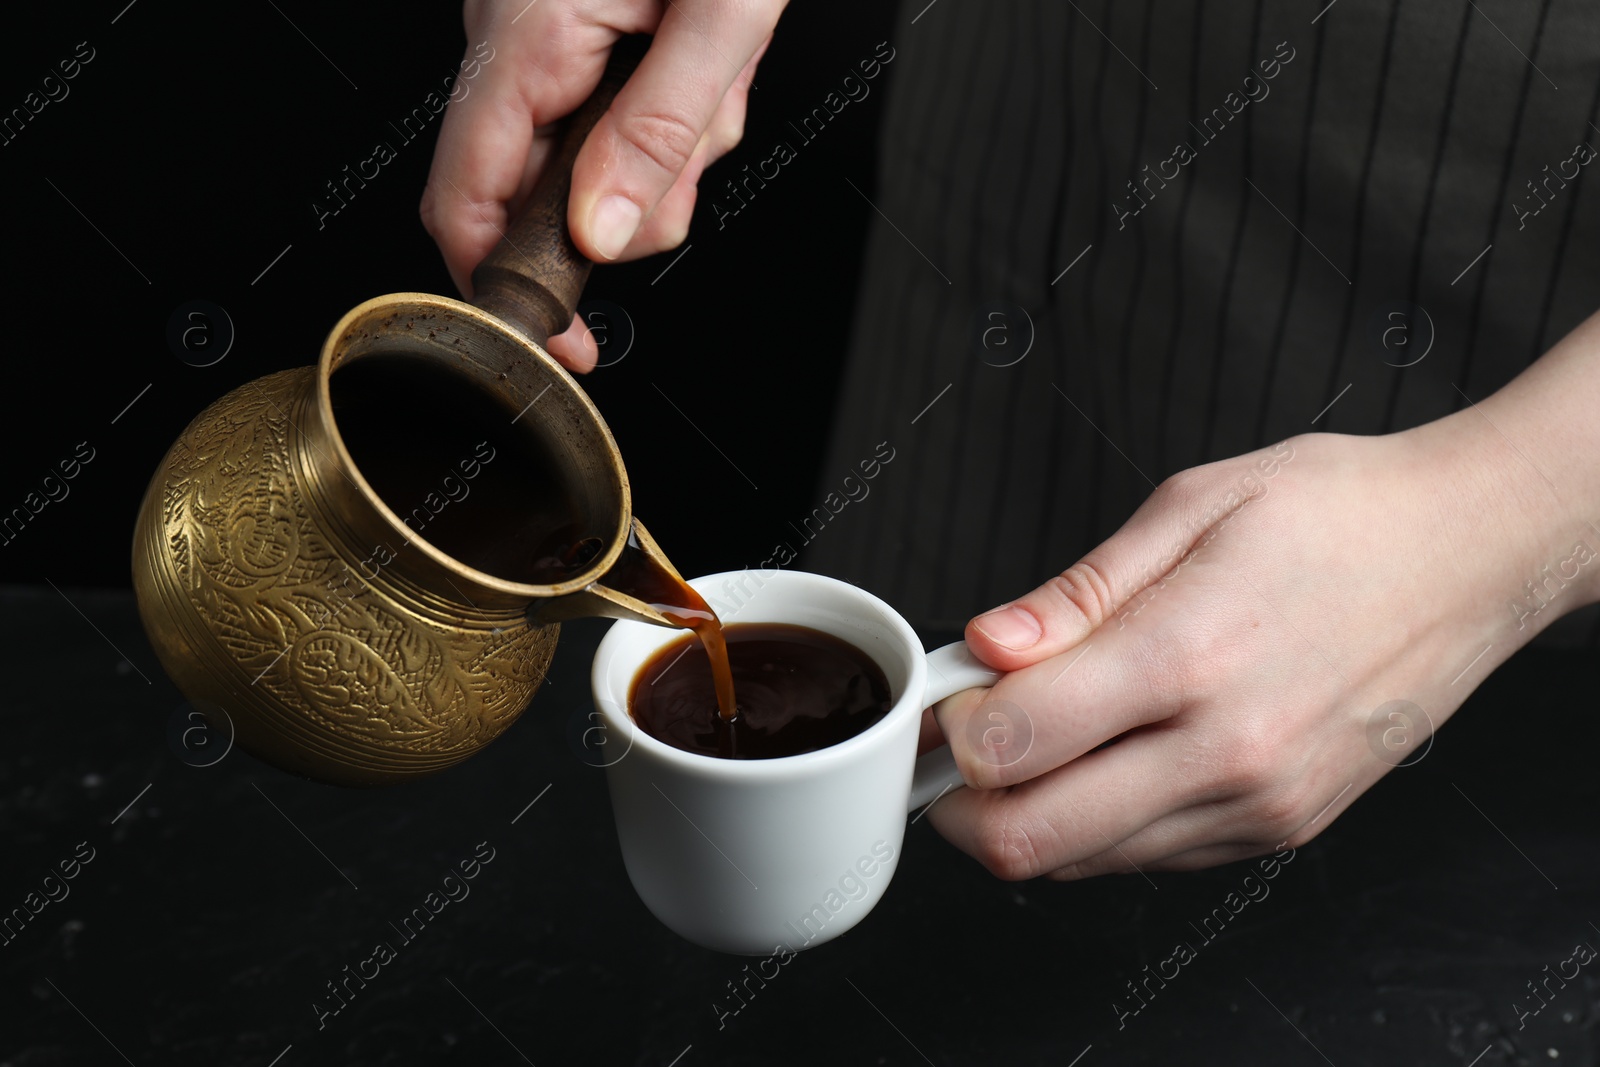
(750, 856)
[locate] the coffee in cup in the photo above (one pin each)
(797, 690)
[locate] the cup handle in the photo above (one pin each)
(950, 670)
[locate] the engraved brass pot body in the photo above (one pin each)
(277, 586)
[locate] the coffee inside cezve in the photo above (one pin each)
(415, 430)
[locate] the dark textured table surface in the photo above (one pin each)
(218, 902)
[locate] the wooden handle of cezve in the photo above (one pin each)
(534, 276)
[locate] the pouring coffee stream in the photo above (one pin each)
(265, 562)
(642, 576)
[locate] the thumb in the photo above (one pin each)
(1180, 516)
(643, 144)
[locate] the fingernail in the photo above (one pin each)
(612, 223)
(1012, 627)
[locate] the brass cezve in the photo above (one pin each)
(257, 518)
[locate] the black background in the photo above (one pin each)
(196, 142)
